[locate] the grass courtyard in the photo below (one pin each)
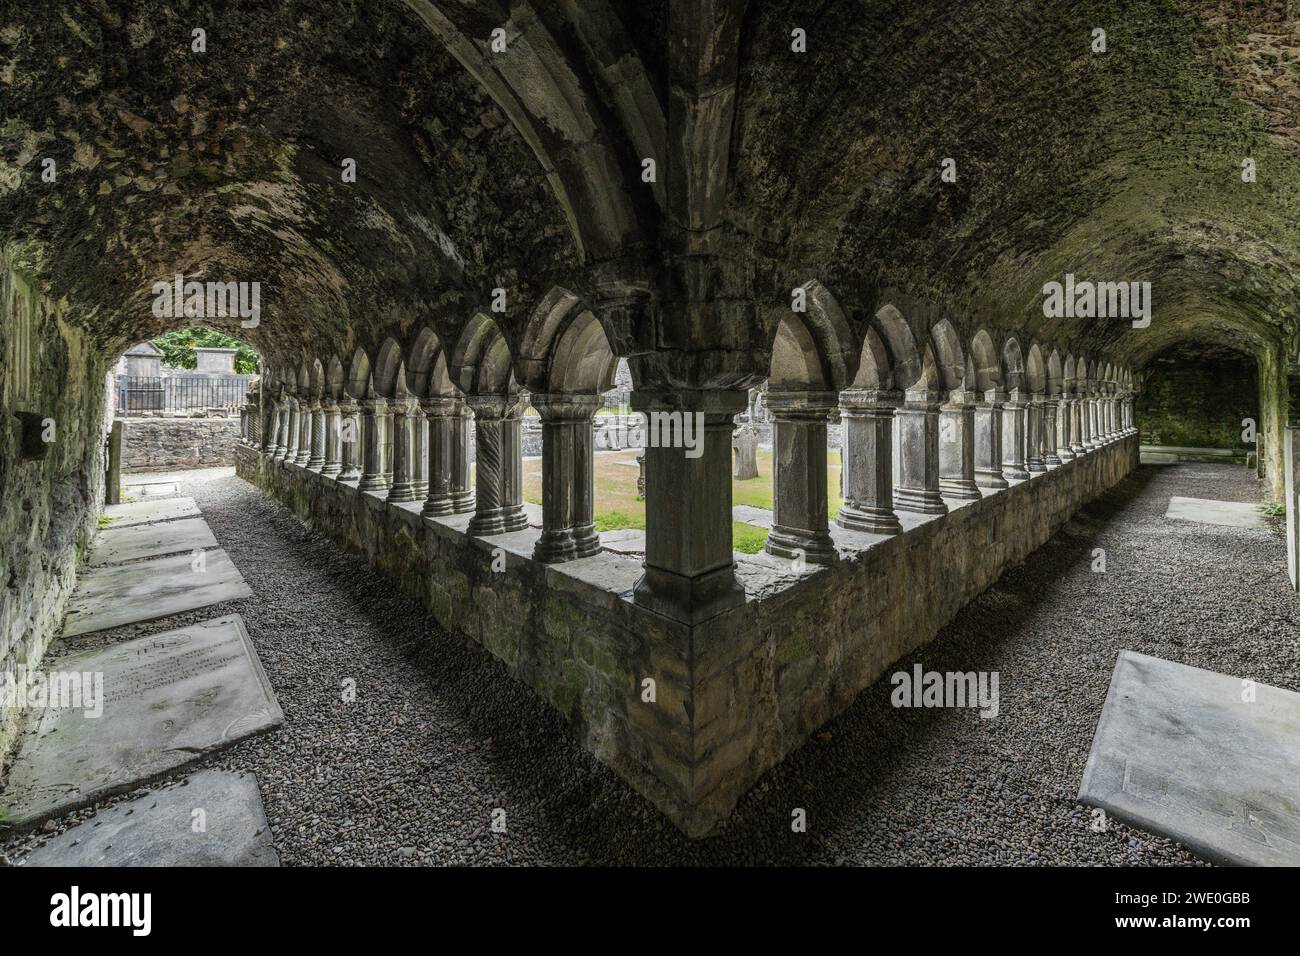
(617, 505)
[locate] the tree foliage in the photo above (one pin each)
(178, 348)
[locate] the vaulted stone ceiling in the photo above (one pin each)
(775, 168)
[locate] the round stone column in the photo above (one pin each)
(333, 446)
(294, 430)
(800, 526)
(988, 440)
(568, 477)
(498, 423)
(374, 410)
(1051, 433)
(918, 445)
(462, 492)
(1034, 431)
(349, 438)
(419, 451)
(1076, 426)
(1065, 414)
(957, 446)
(316, 458)
(441, 420)
(867, 453)
(403, 487)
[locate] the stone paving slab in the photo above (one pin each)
(1232, 514)
(158, 489)
(116, 545)
(167, 700)
(159, 828)
(139, 512)
(1178, 752)
(116, 594)
(759, 517)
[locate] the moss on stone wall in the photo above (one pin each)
(1197, 402)
(48, 504)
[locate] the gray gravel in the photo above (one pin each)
(439, 735)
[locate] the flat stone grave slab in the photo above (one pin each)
(1232, 514)
(139, 512)
(163, 828)
(1178, 752)
(166, 700)
(759, 517)
(116, 545)
(115, 594)
(159, 489)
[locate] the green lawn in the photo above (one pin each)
(617, 506)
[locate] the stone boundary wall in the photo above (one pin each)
(160, 444)
(736, 693)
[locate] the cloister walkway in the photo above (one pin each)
(438, 736)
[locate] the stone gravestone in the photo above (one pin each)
(744, 441)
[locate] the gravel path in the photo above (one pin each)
(439, 735)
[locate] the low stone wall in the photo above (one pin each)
(159, 444)
(734, 694)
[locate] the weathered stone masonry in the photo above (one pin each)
(735, 692)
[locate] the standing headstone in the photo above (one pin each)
(744, 441)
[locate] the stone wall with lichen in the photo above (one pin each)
(1196, 402)
(159, 444)
(49, 502)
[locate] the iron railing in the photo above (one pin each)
(147, 395)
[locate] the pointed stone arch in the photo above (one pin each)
(428, 374)
(948, 354)
(905, 357)
(874, 369)
(335, 378)
(1035, 371)
(988, 366)
(581, 362)
(481, 361)
(1055, 374)
(387, 365)
(1013, 364)
(358, 381)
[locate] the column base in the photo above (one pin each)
(1078, 449)
(919, 501)
(462, 502)
(403, 491)
(792, 543)
(438, 507)
(557, 547)
(498, 521)
(870, 520)
(1052, 461)
(963, 489)
(350, 474)
(1064, 455)
(1014, 470)
(689, 600)
(315, 464)
(330, 469)
(990, 479)
(1035, 464)
(373, 483)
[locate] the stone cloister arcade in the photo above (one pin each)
(372, 448)
(958, 426)
(453, 210)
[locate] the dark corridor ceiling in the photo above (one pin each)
(1118, 166)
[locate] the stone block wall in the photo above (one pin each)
(49, 504)
(161, 444)
(734, 694)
